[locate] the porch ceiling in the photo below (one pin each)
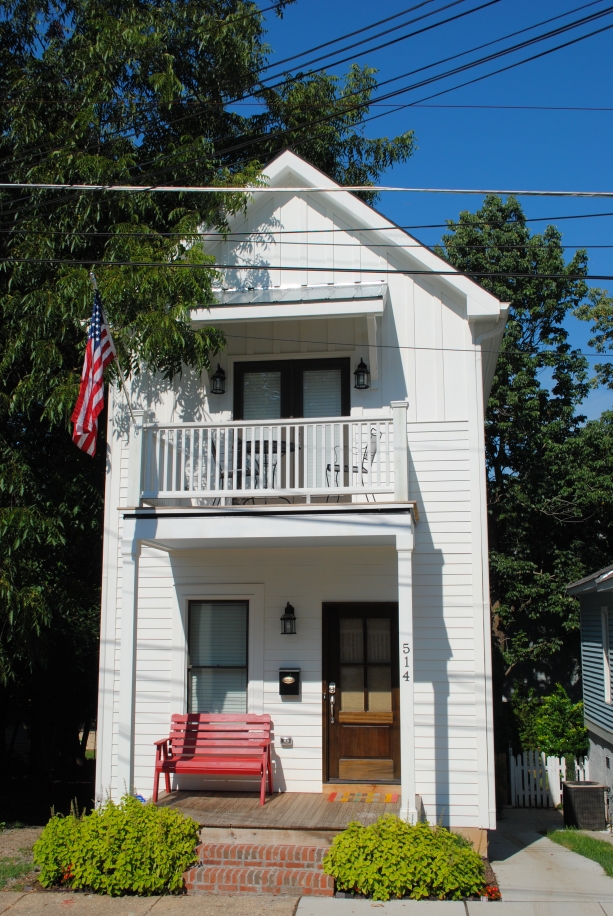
(268, 526)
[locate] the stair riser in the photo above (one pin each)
(258, 856)
(258, 881)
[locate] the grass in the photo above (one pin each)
(13, 868)
(598, 850)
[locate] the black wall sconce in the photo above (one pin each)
(361, 375)
(288, 621)
(218, 381)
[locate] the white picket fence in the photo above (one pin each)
(536, 780)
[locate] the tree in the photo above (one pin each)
(549, 474)
(138, 93)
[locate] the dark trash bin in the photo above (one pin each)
(584, 805)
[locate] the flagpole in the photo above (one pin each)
(94, 283)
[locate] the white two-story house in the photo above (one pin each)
(334, 462)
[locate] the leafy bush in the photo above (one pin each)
(394, 859)
(125, 848)
(553, 724)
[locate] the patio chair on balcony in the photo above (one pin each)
(362, 468)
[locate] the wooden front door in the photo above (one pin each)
(361, 702)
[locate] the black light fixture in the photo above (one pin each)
(288, 621)
(218, 381)
(361, 376)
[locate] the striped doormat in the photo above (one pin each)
(377, 798)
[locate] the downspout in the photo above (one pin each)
(487, 668)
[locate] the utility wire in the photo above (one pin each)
(385, 82)
(512, 350)
(379, 271)
(215, 238)
(263, 189)
(268, 136)
(275, 135)
(218, 239)
(393, 41)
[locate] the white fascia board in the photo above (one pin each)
(288, 168)
(287, 311)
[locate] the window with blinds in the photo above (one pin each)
(217, 639)
(261, 395)
(321, 393)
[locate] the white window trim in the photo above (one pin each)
(254, 594)
(606, 653)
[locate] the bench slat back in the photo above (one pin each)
(201, 734)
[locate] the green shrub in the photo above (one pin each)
(125, 848)
(394, 859)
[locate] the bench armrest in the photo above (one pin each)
(162, 750)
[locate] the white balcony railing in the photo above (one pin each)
(269, 458)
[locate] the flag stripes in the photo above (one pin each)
(100, 351)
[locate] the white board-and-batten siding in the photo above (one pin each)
(426, 354)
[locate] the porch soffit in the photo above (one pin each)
(236, 528)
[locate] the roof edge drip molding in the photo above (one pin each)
(599, 581)
(323, 292)
(353, 300)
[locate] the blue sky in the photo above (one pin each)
(488, 148)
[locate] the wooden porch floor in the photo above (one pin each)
(282, 811)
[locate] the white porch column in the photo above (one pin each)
(404, 549)
(401, 450)
(130, 549)
(135, 460)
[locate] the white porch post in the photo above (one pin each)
(404, 549)
(135, 460)
(130, 549)
(401, 451)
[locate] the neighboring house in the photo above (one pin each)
(595, 594)
(360, 500)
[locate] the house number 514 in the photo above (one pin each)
(405, 652)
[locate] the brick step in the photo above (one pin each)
(249, 880)
(260, 855)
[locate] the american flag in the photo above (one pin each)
(99, 353)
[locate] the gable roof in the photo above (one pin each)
(288, 169)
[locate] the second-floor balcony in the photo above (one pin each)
(287, 460)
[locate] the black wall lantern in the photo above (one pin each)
(361, 376)
(288, 621)
(218, 381)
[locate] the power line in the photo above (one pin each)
(217, 238)
(380, 271)
(277, 134)
(394, 79)
(392, 41)
(515, 351)
(213, 189)
(361, 105)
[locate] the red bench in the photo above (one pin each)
(202, 744)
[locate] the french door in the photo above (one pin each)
(361, 702)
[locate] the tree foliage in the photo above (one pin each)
(552, 725)
(549, 474)
(109, 93)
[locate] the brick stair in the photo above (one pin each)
(257, 868)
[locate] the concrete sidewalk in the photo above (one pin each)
(532, 869)
(57, 904)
